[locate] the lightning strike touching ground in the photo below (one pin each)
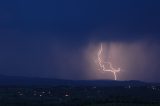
(106, 66)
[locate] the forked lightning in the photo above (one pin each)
(106, 66)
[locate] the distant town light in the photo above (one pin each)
(66, 95)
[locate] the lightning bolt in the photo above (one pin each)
(103, 65)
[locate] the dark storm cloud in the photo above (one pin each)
(41, 38)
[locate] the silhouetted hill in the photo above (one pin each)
(30, 81)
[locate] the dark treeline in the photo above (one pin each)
(80, 96)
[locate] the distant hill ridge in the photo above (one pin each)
(31, 81)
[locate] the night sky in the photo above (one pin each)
(60, 38)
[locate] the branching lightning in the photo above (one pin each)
(106, 66)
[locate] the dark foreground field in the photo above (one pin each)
(80, 96)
